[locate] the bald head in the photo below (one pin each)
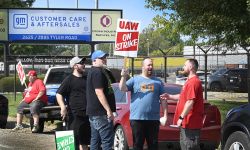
(147, 67)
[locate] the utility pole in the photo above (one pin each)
(148, 46)
(96, 4)
(76, 45)
(96, 7)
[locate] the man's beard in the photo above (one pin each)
(185, 73)
(81, 71)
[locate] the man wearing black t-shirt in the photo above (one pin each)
(73, 88)
(100, 103)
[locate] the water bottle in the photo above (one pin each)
(115, 114)
(64, 125)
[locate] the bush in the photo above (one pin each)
(7, 84)
(1, 76)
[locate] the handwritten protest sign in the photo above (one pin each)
(21, 73)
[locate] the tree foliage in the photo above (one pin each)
(221, 21)
(161, 35)
(16, 3)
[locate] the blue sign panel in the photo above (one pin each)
(70, 25)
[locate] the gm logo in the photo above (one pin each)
(20, 21)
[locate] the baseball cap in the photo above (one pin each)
(98, 54)
(32, 73)
(76, 60)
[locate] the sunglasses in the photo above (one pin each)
(104, 57)
(81, 63)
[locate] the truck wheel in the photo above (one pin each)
(237, 140)
(4, 111)
(41, 125)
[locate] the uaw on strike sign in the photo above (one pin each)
(127, 38)
(20, 71)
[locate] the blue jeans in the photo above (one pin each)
(102, 133)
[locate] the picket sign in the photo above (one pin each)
(65, 140)
(127, 38)
(20, 72)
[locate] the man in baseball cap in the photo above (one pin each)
(100, 103)
(32, 73)
(74, 88)
(35, 98)
(98, 54)
(76, 60)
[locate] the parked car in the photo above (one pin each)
(181, 79)
(235, 132)
(228, 79)
(168, 137)
(4, 111)
(201, 75)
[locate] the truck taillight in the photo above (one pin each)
(212, 116)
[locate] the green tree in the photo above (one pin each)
(16, 3)
(221, 21)
(161, 35)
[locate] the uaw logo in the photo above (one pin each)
(106, 21)
(20, 21)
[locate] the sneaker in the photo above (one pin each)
(17, 127)
(35, 129)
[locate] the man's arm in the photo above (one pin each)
(39, 95)
(100, 95)
(122, 84)
(164, 105)
(167, 96)
(60, 101)
(163, 119)
(187, 107)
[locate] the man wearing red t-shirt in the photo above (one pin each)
(35, 98)
(190, 108)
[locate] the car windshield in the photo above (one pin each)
(120, 96)
(220, 71)
(57, 75)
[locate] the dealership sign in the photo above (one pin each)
(127, 38)
(49, 25)
(68, 25)
(104, 25)
(3, 25)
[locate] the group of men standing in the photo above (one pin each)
(91, 104)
